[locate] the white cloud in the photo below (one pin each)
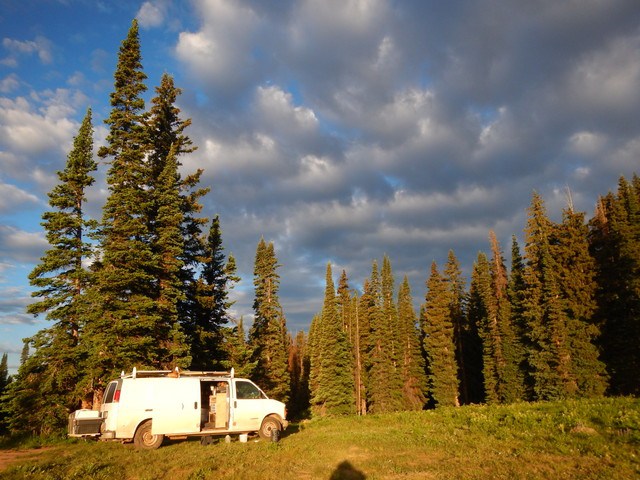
(17, 319)
(252, 154)
(608, 78)
(220, 53)
(41, 46)
(277, 111)
(31, 132)
(12, 197)
(152, 14)
(76, 79)
(329, 21)
(19, 245)
(587, 143)
(316, 174)
(9, 83)
(624, 158)
(407, 114)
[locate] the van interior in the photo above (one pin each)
(215, 405)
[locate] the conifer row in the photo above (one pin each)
(560, 323)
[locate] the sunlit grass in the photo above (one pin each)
(575, 439)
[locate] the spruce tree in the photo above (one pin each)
(344, 304)
(167, 143)
(364, 307)
(503, 379)
(237, 351)
(299, 367)
(412, 366)
(348, 306)
(614, 239)
(314, 356)
(268, 335)
(549, 353)
(5, 380)
(437, 327)
(517, 293)
(125, 324)
(477, 315)
(60, 278)
(453, 276)
(166, 130)
(576, 270)
(48, 380)
(332, 363)
(385, 386)
(168, 247)
(395, 340)
(212, 302)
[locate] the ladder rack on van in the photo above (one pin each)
(135, 373)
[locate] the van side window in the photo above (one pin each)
(247, 391)
(108, 396)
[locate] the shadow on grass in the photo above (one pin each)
(346, 471)
(292, 429)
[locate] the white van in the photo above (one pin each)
(146, 406)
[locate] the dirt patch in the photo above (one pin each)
(8, 457)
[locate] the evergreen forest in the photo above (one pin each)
(148, 286)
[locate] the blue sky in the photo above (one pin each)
(341, 130)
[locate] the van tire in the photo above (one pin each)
(144, 439)
(268, 424)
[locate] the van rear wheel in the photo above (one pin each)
(145, 439)
(268, 425)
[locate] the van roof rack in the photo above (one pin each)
(135, 373)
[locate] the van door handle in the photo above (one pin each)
(195, 405)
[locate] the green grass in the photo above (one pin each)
(587, 439)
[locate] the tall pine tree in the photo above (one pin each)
(517, 293)
(168, 247)
(437, 327)
(299, 367)
(237, 351)
(477, 315)
(614, 239)
(332, 362)
(411, 366)
(176, 236)
(549, 353)
(576, 270)
(268, 335)
(48, 380)
(212, 302)
(458, 307)
(503, 379)
(122, 329)
(385, 385)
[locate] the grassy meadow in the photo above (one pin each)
(586, 439)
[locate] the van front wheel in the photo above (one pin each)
(268, 425)
(145, 439)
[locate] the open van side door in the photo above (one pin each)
(176, 406)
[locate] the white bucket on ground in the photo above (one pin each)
(243, 437)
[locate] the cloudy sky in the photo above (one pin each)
(341, 130)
